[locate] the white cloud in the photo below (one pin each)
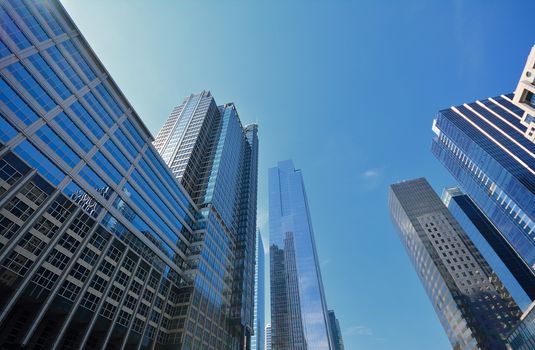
(371, 179)
(358, 331)
(371, 173)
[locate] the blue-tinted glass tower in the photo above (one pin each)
(97, 237)
(258, 339)
(516, 276)
(484, 147)
(299, 318)
(215, 158)
(473, 306)
(336, 333)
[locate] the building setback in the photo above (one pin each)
(473, 306)
(299, 319)
(336, 333)
(515, 275)
(215, 158)
(258, 339)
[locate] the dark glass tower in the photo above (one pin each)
(471, 303)
(258, 339)
(215, 159)
(516, 276)
(299, 319)
(96, 234)
(483, 145)
(336, 333)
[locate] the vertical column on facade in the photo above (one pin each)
(157, 328)
(131, 321)
(104, 293)
(146, 323)
(147, 318)
(121, 301)
(136, 306)
(164, 304)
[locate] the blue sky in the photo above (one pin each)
(348, 90)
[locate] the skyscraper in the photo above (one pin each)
(268, 336)
(474, 308)
(215, 158)
(483, 145)
(186, 142)
(258, 339)
(299, 317)
(516, 276)
(96, 234)
(336, 333)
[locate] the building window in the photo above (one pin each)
(18, 263)
(530, 99)
(69, 290)
(58, 259)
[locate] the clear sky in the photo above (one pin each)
(348, 90)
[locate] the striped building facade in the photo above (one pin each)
(484, 147)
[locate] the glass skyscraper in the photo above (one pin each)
(336, 333)
(185, 142)
(258, 339)
(215, 158)
(471, 303)
(98, 239)
(483, 145)
(299, 319)
(516, 276)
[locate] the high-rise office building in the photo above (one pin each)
(336, 333)
(258, 339)
(268, 336)
(186, 142)
(472, 305)
(515, 275)
(96, 234)
(215, 159)
(299, 317)
(484, 146)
